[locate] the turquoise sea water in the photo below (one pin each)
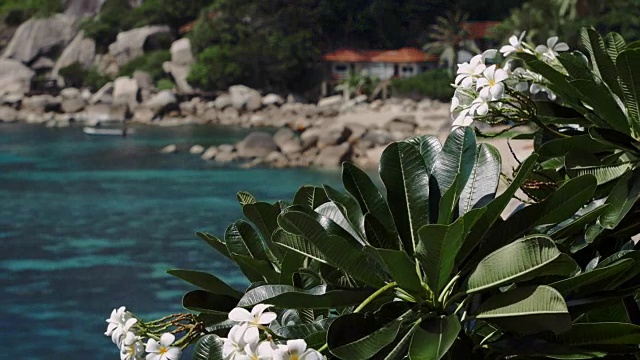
(92, 223)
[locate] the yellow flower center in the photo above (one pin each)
(492, 82)
(162, 350)
(294, 357)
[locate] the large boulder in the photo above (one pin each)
(333, 136)
(143, 79)
(39, 36)
(81, 50)
(162, 101)
(272, 99)
(245, 98)
(41, 103)
(256, 144)
(179, 74)
(8, 114)
(334, 100)
(103, 95)
(15, 78)
(222, 101)
(131, 44)
(333, 156)
(71, 106)
(105, 112)
(181, 52)
(287, 141)
(125, 91)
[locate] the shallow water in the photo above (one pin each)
(91, 223)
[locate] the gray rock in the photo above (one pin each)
(130, 44)
(287, 141)
(357, 132)
(256, 144)
(210, 153)
(41, 103)
(43, 64)
(229, 116)
(226, 148)
(223, 101)
(143, 78)
(11, 99)
(80, 8)
(272, 99)
(181, 52)
(143, 114)
(333, 156)
(333, 136)
(188, 107)
(211, 115)
(334, 100)
(70, 93)
(105, 112)
(125, 91)
(15, 78)
(309, 138)
(71, 106)
(8, 114)
(38, 36)
(196, 149)
(224, 157)
(276, 159)
(81, 50)
(103, 95)
(179, 74)
(162, 101)
(245, 98)
(405, 124)
(169, 149)
(377, 137)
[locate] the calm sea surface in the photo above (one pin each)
(91, 223)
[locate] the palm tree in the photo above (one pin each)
(449, 36)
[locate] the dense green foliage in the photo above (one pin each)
(150, 62)
(75, 75)
(14, 12)
(105, 27)
(434, 84)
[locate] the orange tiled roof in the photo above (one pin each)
(404, 55)
(480, 29)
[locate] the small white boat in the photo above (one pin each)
(103, 131)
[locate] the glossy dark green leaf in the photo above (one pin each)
(214, 242)
(265, 218)
(603, 104)
(603, 64)
(209, 303)
(400, 267)
(332, 249)
(346, 342)
(358, 184)
(456, 159)
(429, 146)
(623, 196)
(627, 65)
(205, 281)
(256, 269)
(594, 280)
(242, 239)
(522, 260)
(481, 187)
(578, 224)
(401, 347)
(526, 310)
(310, 196)
(208, 347)
(378, 236)
(286, 296)
(448, 203)
(433, 338)
(579, 143)
(567, 199)
(615, 44)
(245, 198)
(349, 208)
(404, 174)
(332, 211)
(303, 330)
(604, 333)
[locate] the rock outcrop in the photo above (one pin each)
(39, 36)
(181, 60)
(15, 78)
(131, 44)
(256, 144)
(125, 91)
(81, 50)
(245, 98)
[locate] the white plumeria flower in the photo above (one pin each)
(162, 350)
(119, 323)
(260, 351)
(515, 45)
(480, 106)
(536, 88)
(132, 348)
(253, 319)
(233, 347)
(551, 49)
(467, 72)
(296, 350)
(460, 106)
(491, 85)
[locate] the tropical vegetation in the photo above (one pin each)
(429, 268)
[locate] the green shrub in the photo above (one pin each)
(165, 84)
(434, 84)
(150, 62)
(14, 12)
(215, 68)
(103, 29)
(75, 75)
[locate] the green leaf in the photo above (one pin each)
(558, 81)
(603, 64)
(603, 333)
(378, 236)
(603, 104)
(358, 184)
(448, 203)
(577, 225)
(602, 173)
(434, 337)
(404, 174)
(310, 196)
(208, 347)
(402, 346)
(245, 198)
(481, 187)
(349, 208)
(429, 146)
(627, 64)
(594, 280)
(256, 269)
(579, 144)
(527, 310)
(242, 239)
(522, 260)
(332, 211)
(327, 248)
(567, 199)
(401, 268)
(290, 297)
(303, 330)
(615, 44)
(206, 282)
(214, 242)
(622, 198)
(265, 217)
(456, 159)
(354, 346)
(208, 303)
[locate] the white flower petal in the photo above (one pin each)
(167, 339)
(507, 50)
(259, 309)
(173, 353)
(501, 75)
(489, 54)
(311, 355)
(152, 346)
(496, 91)
(561, 47)
(240, 315)
(541, 49)
(297, 346)
(551, 42)
(252, 335)
(267, 318)
(153, 356)
(482, 82)
(483, 109)
(514, 41)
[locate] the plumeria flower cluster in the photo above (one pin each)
(129, 334)
(250, 339)
(494, 93)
